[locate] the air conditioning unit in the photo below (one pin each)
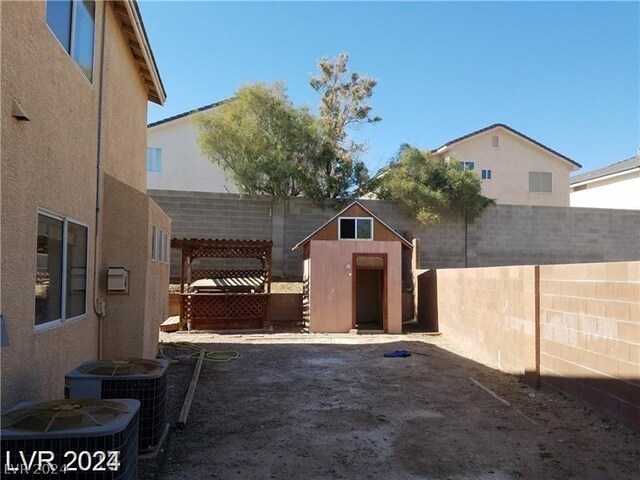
(137, 378)
(78, 438)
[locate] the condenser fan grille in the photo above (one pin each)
(64, 415)
(115, 368)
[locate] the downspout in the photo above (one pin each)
(99, 304)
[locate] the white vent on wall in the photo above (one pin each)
(496, 140)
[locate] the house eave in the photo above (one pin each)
(133, 28)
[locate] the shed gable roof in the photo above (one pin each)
(404, 241)
(511, 130)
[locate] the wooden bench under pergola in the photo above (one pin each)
(223, 298)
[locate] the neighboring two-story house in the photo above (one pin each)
(614, 186)
(513, 168)
(84, 251)
(174, 159)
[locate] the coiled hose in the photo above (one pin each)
(217, 356)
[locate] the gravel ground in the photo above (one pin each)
(331, 406)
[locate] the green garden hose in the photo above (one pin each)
(217, 356)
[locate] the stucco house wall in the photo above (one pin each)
(49, 163)
(184, 167)
(510, 163)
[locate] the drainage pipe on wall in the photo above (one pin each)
(99, 304)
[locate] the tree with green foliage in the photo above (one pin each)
(426, 188)
(265, 143)
(344, 105)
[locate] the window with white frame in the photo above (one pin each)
(540, 182)
(355, 228)
(154, 159)
(73, 24)
(154, 242)
(160, 245)
(467, 165)
(486, 174)
(61, 270)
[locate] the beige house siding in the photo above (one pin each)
(131, 325)
(510, 163)
(125, 111)
(184, 167)
(50, 163)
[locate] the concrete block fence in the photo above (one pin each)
(503, 235)
(575, 328)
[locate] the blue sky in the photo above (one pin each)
(564, 73)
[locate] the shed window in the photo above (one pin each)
(355, 228)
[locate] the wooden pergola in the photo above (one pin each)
(223, 298)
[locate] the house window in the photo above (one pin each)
(73, 24)
(467, 165)
(154, 243)
(486, 174)
(61, 270)
(159, 245)
(355, 228)
(154, 159)
(539, 182)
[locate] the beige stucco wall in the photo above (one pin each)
(331, 287)
(184, 167)
(157, 291)
(510, 164)
(48, 162)
(124, 111)
(131, 326)
(619, 191)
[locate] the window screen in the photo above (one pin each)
(540, 182)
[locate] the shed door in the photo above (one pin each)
(369, 292)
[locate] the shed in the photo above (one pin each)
(353, 274)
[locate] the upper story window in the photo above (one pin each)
(355, 228)
(539, 182)
(486, 174)
(154, 159)
(61, 270)
(73, 23)
(467, 165)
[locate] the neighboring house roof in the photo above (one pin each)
(133, 28)
(406, 242)
(618, 167)
(512, 130)
(190, 112)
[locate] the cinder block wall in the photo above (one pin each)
(590, 334)
(574, 327)
(503, 235)
(491, 313)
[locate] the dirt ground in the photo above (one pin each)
(301, 406)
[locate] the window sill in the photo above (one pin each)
(45, 327)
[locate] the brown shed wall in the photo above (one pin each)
(331, 289)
